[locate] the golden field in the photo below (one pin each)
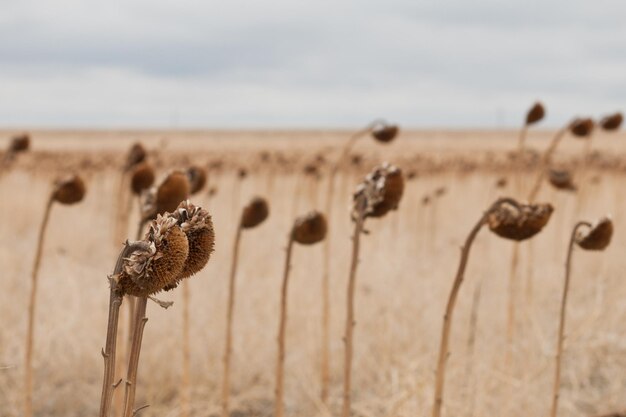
(407, 264)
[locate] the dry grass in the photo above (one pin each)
(401, 291)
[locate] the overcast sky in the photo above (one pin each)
(316, 63)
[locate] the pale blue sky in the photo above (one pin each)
(290, 63)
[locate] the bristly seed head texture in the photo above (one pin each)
(384, 132)
(255, 213)
(561, 179)
(310, 228)
(167, 195)
(197, 178)
(159, 263)
(381, 190)
(535, 114)
(197, 225)
(519, 223)
(142, 178)
(69, 190)
(582, 127)
(596, 237)
(612, 122)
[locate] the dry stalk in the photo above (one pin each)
(545, 162)
(133, 359)
(32, 303)
(185, 403)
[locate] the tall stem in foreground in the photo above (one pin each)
(280, 364)
(185, 405)
(133, 361)
(32, 303)
(347, 373)
(109, 352)
(559, 346)
(229, 325)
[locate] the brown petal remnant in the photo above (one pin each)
(69, 190)
(159, 262)
(384, 132)
(142, 177)
(19, 143)
(310, 228)
(255, 213)
(167, 195)
(197, 225)
(612, 122)
(519, 223)
(535, 114)
(382, 190)
(197, 178)
(562, 179)
(582, 127)
(136, 155)
(597, 237)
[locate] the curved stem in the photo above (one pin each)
(229, 325)
(545, 161)
(32, 304)
(559, 345)
(109, 352)
(133, 361)
(280, 364)
(347, 373)
(447, 318)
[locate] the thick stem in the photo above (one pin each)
(545, 162)
(32, 303)
(133, 362)
(559, 345)
(349, 329)
(109, 352)
(447, 318)
(185, 406)
(229, 325)
(280, 363)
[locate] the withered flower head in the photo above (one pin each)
(518, 222)
(242, 173)
(582, 127)
(197, 178)
(159, 262)
(597, 237)
(612, 122)
(535, 114)
(310, 228)
(142, 177)
(20, 143)
(561, 179)
(166, 196)
(136, 155)
(69, 190)
(255, 213)
(501, 182)
(384, 132)
(381, 191)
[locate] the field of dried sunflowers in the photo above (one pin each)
(271, 308)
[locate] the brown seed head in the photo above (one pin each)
(242, 173)
(535, 114)
(440, 192)
(69, 190)
(612, 122)
(167, 195)
(381, 190)
(197, 178)
(136, 155)
(254, 213)
(159, 263)
(384, 132)
(310, 228)
(142, 177)
(501, 182)
(519, 223)
(582, 127)
(561, 179)
(596, 237)
(20, 143)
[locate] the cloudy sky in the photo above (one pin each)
(321, 63)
